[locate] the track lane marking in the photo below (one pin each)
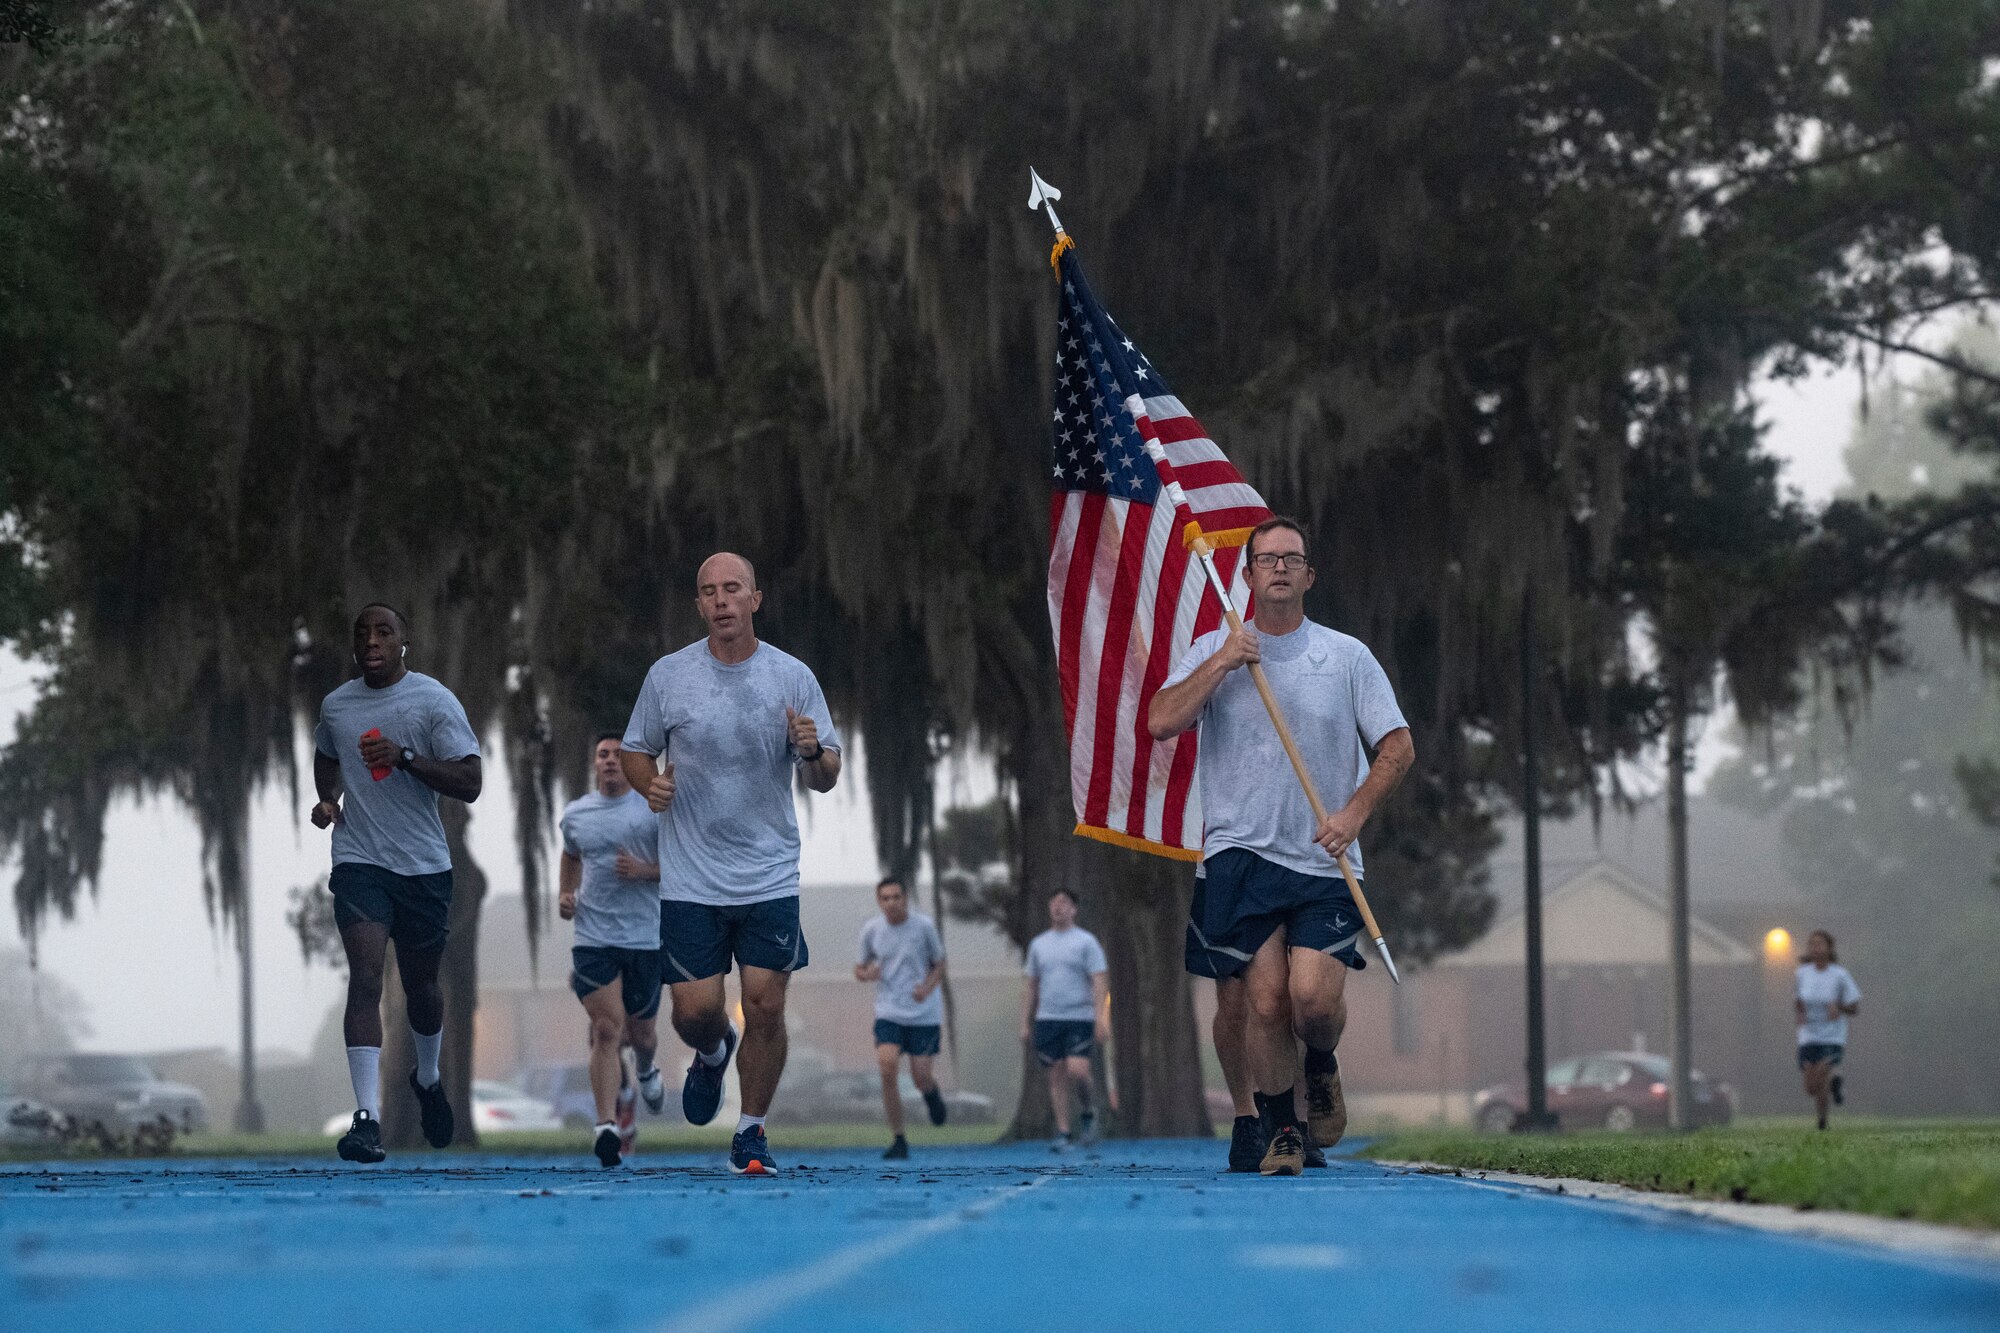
(741, 1308)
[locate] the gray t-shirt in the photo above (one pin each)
(906, 953)
(1334, 695)
(731, 836)
(613, 913)
(1062, 962)
(393, 823)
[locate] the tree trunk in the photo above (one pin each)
(249, 1112)
(1680, 1015)
(1137, 905)
(459, 976)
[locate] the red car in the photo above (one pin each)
(1619, 1090)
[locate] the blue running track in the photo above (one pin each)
(1129, 1236)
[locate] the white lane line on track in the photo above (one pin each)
(741, 1308)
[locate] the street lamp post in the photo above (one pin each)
(1537, 1117)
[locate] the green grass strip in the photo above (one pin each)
(1933, 1171)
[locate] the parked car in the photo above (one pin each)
(119, 1092)
(565, 1086)
(849, 1096)
(1620, 1090)
(497, 1108)
(25, 1123)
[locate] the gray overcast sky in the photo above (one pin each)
(158, 976)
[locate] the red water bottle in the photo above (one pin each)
(377, 773)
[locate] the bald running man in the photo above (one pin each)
(720, 730)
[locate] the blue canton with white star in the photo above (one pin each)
(1094, 442)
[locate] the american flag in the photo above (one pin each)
(1126, 595)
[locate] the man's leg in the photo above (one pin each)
(425, 1000)
(1319, 1015)
(1232, 1006)
(1059, 1095)
(923, 1073)
(762, 1059)
(700, 1020)
(1080, 1084)
(698, 1016)
(1268, 1038)
(645, 1039)
(1232, 1014)
(606, 1007)
(887, 1058)
(367, 946)
(1273, 1052)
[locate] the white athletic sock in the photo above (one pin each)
(744, 1122)
(427, 1056)
(716, 1056)
(603, 1125)
(364, 1070)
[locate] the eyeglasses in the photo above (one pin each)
(1292, 560)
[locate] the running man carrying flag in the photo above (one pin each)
(1148, 520)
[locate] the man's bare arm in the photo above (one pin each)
(569, 878)
(326, 782)
(823, 772)
(460, 779)
(1178, 707)
(1393, 758)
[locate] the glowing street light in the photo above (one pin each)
(1777, 944)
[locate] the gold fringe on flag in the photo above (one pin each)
(1063, 242)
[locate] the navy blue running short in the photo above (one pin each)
(914, 1038)
(698, 940)
(1060, 1038)
(594, 966)
(1813, 1052)
(1243, 898)
(415, 908)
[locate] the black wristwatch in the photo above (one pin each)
(817, 754)
(406, 758)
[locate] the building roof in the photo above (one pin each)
(1599, 917)
(830, 914)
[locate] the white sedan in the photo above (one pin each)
(497, 1108)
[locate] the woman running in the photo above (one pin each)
(1825, 998)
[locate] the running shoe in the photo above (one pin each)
(628, 1120)
(1315, 1155)
(750, 1153)
(436, 1111)
(1246, 1144)
(701, 1094)
(1834, 1088)
(1326, 1107)
(607, 1145)
(363, 1140)
(934, 1103)
(1061, 1143)
(653, 1087)
(1287, 1154)
(899, 1151)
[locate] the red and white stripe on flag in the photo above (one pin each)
(1126, 599)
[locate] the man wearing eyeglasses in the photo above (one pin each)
(1272, 912)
